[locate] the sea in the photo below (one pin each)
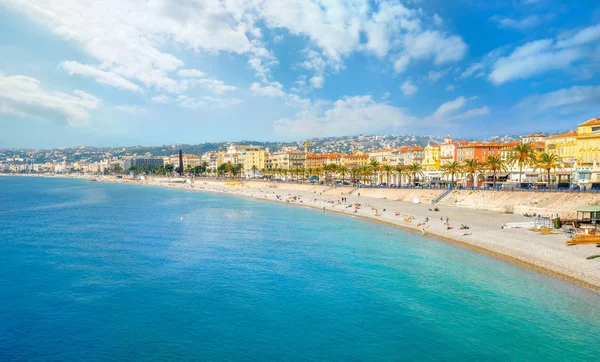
(93, 271)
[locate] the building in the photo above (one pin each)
(211, 159)
(588, 153)
(563, 145)
(410, 154)
(141, 161)
(533, 138)
(317, 161)
(355, 159)
(588, 138)
(479, 151)
(189, 160)
(447, 151)
(384, 157)
(431, 158)
(287, 160)
(254, 160)
(233, 149)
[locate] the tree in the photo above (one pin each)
(523, 155)
(388, 170)
(472, 167)
(366, 172)
(254, 168)
(415, 170)
(355, 172)
(342, 171)
(548, 162)
(495, 164)
(400, 170)
(375, 165)
(452, 168)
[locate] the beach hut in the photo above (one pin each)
(588, 214)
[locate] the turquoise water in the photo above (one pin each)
(93, 271)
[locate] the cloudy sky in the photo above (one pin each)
(150, 72)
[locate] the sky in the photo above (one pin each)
(153, 72)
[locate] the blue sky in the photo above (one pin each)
(149, 72)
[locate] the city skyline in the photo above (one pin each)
(159, 72)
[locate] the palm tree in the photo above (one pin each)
(343, 171)
(366, 172)
(523, 155)
(495, 164)
(388, 170)
(374, 167)
(254, 168)
(415, 170)
(400, 170)
(548, 162)
(452, 168)
(471, 167)
(355, 172)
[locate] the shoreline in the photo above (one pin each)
(559, 261)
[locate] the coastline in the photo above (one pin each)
(544, 254)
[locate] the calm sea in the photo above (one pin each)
(93, 271)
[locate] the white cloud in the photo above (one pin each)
(475, 68)
(529, 22)
(435, 75)
(277, 39)
(473, 113)
(317, 81)
(349, 115)
(162, 99)
(213, 85)
(408, 88)
(449, 107)
(130, 46)
(134, 47)
(401, 63)
(575, 95)
(190, 73)
(206, 102)
(544, 55)
(22, 95)
(531, 59)
(101, 76)
(581, 37)
(434, 44)
(273, 89)
(450, 88)
(132, 109)
(448, 112)
(359, 114)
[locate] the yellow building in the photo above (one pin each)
(254, 159)
(317, 161)
(563, 145)
(588, 139)
(431, 158)
(356, 159)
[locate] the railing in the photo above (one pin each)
(439, 197)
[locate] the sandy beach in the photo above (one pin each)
(544, 253)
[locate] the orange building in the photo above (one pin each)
(479, 151)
